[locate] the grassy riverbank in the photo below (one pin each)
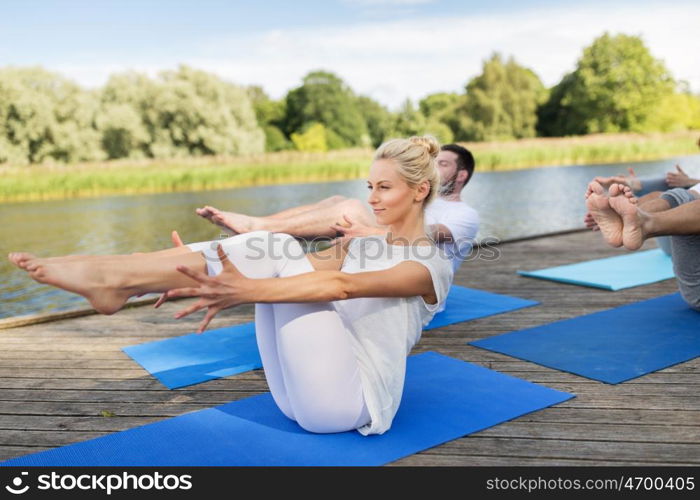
(42, 182)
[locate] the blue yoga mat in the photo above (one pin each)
(444, 399)
(196, 358)
(611, 346)
(613, 273)
(466, 304)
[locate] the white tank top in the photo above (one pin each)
(384, 329)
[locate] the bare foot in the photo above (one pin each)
(623, 202)
(86, 277)
(20, 259)
(590, 222)
(608, 221)
(230, 221)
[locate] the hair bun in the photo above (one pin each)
(430, 143)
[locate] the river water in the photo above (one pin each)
(511, 205)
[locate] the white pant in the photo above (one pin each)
(308, 360)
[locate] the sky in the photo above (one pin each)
(389, 50)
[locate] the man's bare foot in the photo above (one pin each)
(230, 221)
(86, 277)
(590, 222)
(623, 202)
(607, 220)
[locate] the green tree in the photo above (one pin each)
(616, 86)
(556, 117)
(447, 109)
(438, 105)
(123, 132)
(126, 100)
(441, 131)
(275, 140)
(183, 113)
(270, 115)
(377, 119)
(675, 112)
(267, 111)
(324, 98)
(501, 103)
(408, 121)
(200, 114)
(313, 139)
(45, 117)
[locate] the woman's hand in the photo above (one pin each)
(228, 289)
(354, 229)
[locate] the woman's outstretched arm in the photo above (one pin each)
(231, 288)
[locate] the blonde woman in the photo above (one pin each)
(333, 327)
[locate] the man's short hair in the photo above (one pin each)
(465, 160)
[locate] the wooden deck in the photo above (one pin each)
(58, 379)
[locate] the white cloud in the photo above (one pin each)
(393, 60)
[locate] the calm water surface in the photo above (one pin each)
(511, 205)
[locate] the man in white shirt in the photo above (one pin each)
(452, 223)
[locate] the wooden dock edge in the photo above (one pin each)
(33, 319)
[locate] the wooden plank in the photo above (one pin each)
(634, 417)
(76, 408)
(7, 452)
(127, 396)
(656, 403)
(597, 432)
(134, 384)
(49, 439)
(35, 319)
(73, 423)
(653, 453)
(431, 460)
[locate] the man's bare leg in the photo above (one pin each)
(653, 202)
(312, 223)
(107, 282)
(681, 223)
(657, 202)
(681, 220)
(227, 220)
(290, 212)
(640, 224)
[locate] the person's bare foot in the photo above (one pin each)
(20, 259)
(607, 220)
(623, 202)
(86, 277)
(230, 221)
(590, 222)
